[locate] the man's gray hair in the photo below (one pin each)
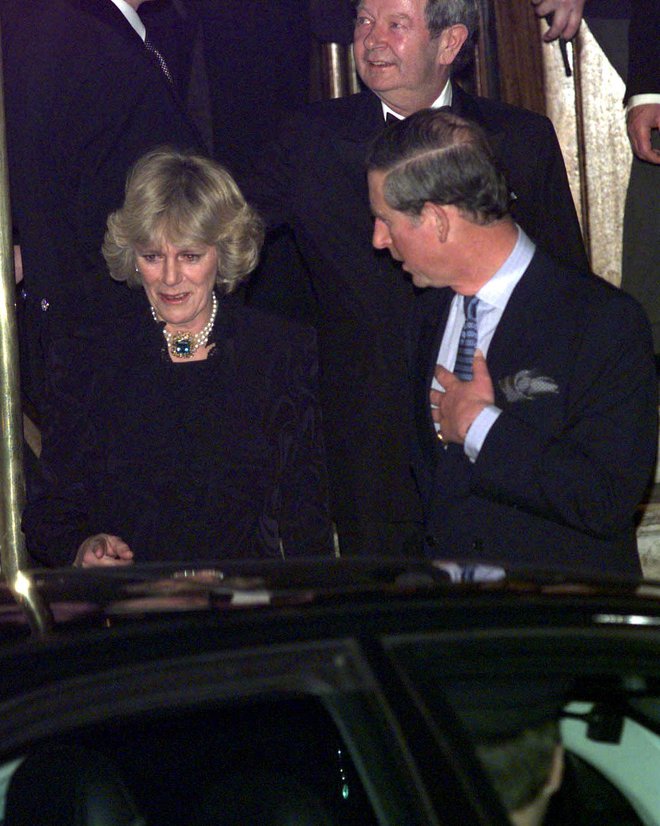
(435, 156)
(440, 14)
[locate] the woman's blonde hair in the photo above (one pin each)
(183, 199)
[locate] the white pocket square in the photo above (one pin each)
(527, 385)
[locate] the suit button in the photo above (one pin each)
(477, 546)
(429, 541)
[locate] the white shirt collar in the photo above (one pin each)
(497, 290)
(132, 16)
(443, 99)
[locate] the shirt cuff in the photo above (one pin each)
(638, 100)
(478, 430)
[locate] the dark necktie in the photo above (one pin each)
(467, 343)
(160, 60)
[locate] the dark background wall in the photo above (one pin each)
(262, 61)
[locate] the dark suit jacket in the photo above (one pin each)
(84, 101)
(559, 476)
(644, 48)
(313, 179)
(176, 27)
(629, 34)
(212, 459)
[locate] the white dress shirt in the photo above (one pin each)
(638, 100)
(443, 99)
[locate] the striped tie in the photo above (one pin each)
(160, 60)
(467, 343)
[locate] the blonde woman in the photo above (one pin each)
(191, 428)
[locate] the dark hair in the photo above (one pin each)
(436, 156)
(440, 14)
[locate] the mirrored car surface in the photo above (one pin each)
(333, 693)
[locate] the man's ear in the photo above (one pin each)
(556, 774)
(439, 217)
(451, 41)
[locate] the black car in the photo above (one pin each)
(333, 693)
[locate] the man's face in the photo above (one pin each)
(410, 239)
(395, 55)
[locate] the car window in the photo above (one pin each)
(6, 772)
(604, 700)
(241, 763)
(623, 750)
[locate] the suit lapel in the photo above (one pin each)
(520, 339)
(446, 466)
(354, 136)
(467, 106)
(365, 121)
(107, 14)
(432, 311)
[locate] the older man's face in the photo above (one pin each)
(395, 55)
(410, 239)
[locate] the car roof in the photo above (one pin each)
(72, 598)
(83, 650)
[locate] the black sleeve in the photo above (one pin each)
(56, 519)
(644, 49)
(305, 518)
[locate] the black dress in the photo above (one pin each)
(193, 460)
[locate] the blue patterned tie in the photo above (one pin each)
(467, 343)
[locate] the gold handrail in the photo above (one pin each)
(13, 556)
(338, 69)
(334, 76)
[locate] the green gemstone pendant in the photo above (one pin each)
(182, 346)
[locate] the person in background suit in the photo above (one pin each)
(535, 399)
(641, 226)
(312, 179)
(629, 34)
(178, 29)
(248, 99)
(643, 83)
(642, 57)
(84, 100)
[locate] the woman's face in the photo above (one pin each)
(179, 282)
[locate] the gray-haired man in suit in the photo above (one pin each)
(535, 400)
(312, 180)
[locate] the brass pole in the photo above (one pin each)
(34, 605)
(353, 82)
(13, 556)
(334, 76)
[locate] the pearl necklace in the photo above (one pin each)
(185, 345)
